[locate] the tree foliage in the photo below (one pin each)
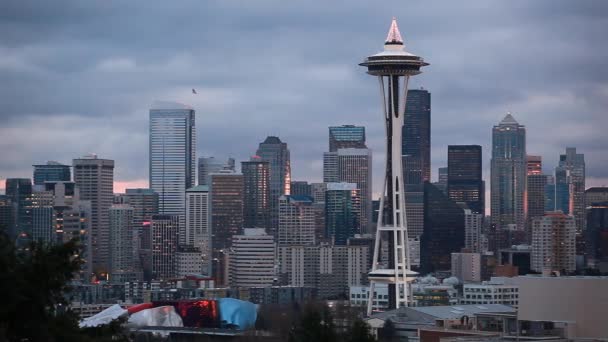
(33, 281)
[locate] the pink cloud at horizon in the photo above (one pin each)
(120, 186)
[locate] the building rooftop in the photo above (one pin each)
(341, 186)
(447, 312)
(168, 105)
(198, 188)
(272, 140)
(598, 189)
(509, 120)
(254, 231)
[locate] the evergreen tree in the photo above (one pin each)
(360, 332)
(33, 282)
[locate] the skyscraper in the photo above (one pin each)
(256, 202)
(574, 164)
(198, 225)
(416, 143)
(52, 171)
(553, 243)
(535, 190)
(95, 179)
(227, 207)
(208, 165)
(43, 215)
(19, 191)
(164, 232)
(352, 165)
(172, 153)
(122, 244)
(276, 153)
(465, 182)
(346, 136)
(508, 178)
(597, 234)
(342, 212)
(226, 217)
(444, 230)
(296, 221)
(393, 68)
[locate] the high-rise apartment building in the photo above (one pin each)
(123, 244)
(444, 230)
(94, 177)
(352, 165)
(209, 165)
(342, 212)
(416, 143)
(346, 136)
(164, 233)
(296, 221)
(198, 225)
(574, 164)
(276, 153)
(256, 202)
(465, 182)
(473, 227)
(466, 267)
(253, 259)
(553, 243)
(508, 178)
(52, 171)
(172, 155)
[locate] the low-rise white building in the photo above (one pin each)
(496, 291)
(358, 296)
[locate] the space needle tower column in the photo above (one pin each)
(393, 67)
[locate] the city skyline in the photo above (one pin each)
(116, 115)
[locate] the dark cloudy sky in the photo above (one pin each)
(79, 76)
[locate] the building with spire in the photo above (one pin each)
(276, 153)
(393, 67)
(508, 174)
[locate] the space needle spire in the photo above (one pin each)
(393, 68)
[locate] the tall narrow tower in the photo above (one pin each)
(393, 67)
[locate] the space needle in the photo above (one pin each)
(393, 68)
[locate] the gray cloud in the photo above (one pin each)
(78, 77)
